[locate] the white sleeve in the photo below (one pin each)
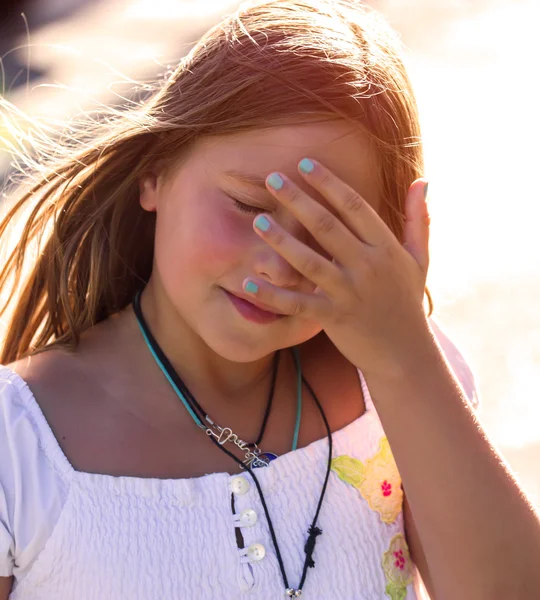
(458, 364)
(32, 492)
(7, 500)
(6, 538)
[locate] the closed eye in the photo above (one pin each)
(246, 208)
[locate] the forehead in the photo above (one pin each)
(339, 145)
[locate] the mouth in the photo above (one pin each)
(252, 311)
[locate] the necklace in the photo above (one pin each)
(313, 531)
(254, 457)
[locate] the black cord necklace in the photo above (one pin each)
(313, 530)
(222, 434)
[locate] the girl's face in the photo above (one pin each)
(205, 243)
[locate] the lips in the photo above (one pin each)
(258, 305)
(252, 311)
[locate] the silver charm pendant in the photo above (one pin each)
(252, 459)
(292, 593)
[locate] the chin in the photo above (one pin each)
(244, 348)
(236, 349)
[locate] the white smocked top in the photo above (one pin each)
(70, 535)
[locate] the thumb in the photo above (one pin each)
(416, 229)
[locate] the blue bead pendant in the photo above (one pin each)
(266, 456)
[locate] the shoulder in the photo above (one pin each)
(17, 403)
(23, 423)
(59, 377)
(47, 374)
(66, 396)
(32, 400)
(457, 361)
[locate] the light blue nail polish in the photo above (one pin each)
(251, 287)
(262, 223)
(275, 181)
(306, 165)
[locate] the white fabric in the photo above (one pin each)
(69, 535)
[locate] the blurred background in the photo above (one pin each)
(474, 64)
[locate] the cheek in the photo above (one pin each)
(211, 243)
(222, 240)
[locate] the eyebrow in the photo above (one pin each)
(248, 179)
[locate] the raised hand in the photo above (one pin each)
(368, 297)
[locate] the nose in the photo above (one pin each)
(272, 267)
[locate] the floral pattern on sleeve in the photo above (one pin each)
(378, 480)
(398, 568)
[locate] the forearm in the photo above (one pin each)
(480, 535)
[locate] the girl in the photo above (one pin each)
(220, 379)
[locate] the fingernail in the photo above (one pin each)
(426, 189)
(306, 165)
(275, 181)
(251, 287)
(262, 223)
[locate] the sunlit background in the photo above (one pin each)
(475, 68)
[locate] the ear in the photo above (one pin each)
(148, 191)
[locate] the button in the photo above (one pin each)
(239, 485)
(256, 552)
(248, 518)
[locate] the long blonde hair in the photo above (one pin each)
(274, 61)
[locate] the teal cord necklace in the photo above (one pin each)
(254, 456)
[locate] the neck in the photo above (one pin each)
(212, 379)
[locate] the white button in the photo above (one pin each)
(248, 518)
(239, 485)
(256, 552)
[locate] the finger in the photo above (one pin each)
(287, 302)
(305, 260)
(417, 220)
(331, 234)
(355, 211)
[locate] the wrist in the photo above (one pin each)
(417, 352)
